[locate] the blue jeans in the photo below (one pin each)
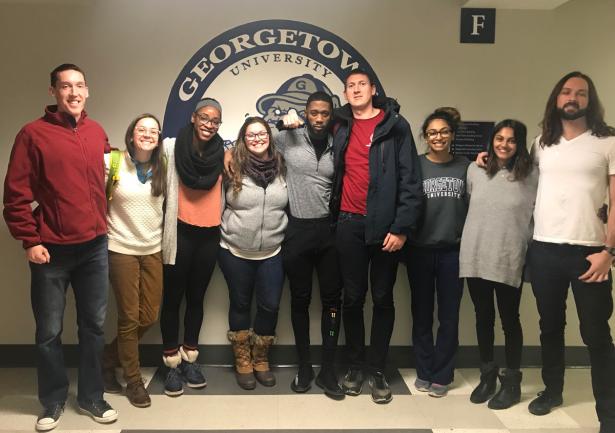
(85, 267)
(243, 277)
(434, 272)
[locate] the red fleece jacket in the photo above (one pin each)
(59, 166)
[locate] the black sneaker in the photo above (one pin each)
(174, 383)
(100, 411)
(303, 379)
(191, 371)
(49, 419)
(543, 404)
(381, 392)
(353, 381)
(327, 381)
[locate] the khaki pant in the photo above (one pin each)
(137, 284)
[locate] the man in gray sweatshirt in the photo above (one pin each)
(309, 242)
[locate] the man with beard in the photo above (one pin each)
(576, 157)
(309, 242)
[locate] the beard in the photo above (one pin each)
(571, 115)
(318, 134)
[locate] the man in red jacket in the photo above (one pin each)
(57, 163)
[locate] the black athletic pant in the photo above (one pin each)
(309, 245)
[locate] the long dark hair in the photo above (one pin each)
(521, 164)
(241, 154)
(552, 123)
(157, 161)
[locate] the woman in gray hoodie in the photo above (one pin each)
(253, 224)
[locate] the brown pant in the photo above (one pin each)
(137, 284)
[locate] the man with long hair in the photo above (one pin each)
(576, 157)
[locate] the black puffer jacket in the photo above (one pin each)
(394, 195)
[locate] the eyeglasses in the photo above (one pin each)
(262, 135)
(142, 131)
(205, 120)
(432, 133)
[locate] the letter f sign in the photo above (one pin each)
(477, 26)
(478, 22)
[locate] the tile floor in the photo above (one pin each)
(223, 407)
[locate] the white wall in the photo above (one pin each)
(133, 50)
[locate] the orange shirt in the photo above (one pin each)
(200, 207)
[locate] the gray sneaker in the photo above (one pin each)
(381, 392)
(422, 385)
(437, 390)
(353, 381)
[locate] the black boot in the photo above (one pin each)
(510, 391)
(487, 385)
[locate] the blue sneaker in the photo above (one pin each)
(100, 411)
(191, 372)
(174, 384)
(50, 418)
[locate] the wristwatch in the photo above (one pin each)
(610, 250)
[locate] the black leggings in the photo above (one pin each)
(508, 299)
(197, 250)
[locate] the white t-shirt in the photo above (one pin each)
(572, 187)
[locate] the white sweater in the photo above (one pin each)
(135, 215)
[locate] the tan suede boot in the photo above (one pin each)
(260, 359)
(243, 358)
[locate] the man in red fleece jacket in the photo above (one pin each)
(57, 163)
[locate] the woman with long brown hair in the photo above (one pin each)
(136, 189)
(493, 248)
(252, 230)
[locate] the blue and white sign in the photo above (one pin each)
(262, 68)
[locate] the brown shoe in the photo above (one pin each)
(260, 359)
(137, 394)
(112, 386)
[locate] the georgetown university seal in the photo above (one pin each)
(263, 68)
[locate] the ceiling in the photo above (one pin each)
(514, 4)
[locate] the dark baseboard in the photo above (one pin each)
(24, 355)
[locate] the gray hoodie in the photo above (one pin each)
(255, 219)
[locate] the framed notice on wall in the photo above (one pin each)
(471, 138)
